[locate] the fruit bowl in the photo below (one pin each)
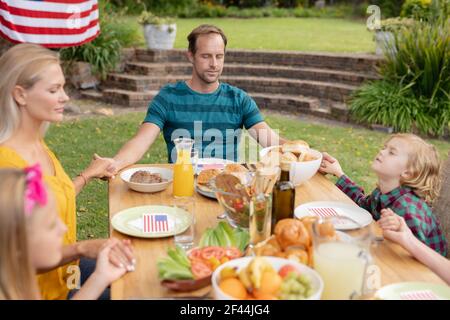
(314, 279)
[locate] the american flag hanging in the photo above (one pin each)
(51, 23)
(155, 223)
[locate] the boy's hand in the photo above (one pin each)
(389, 220)
(330, 165)
(402, 236)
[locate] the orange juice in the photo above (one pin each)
(183, 175)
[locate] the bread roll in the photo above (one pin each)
(235, 168)
(291, 232)
(288, 157)
(206, 175)
(295, 146)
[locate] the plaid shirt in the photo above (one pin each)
(404, 202)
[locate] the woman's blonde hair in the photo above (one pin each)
(423, 166)
(17, 276)
(21, 66)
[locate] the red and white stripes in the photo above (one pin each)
(51, 23)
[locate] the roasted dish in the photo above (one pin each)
(143, 176)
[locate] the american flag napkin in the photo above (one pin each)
(154, 223)
(419, 295)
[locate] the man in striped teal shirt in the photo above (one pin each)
(206, 110)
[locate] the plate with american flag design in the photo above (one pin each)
(414, 291)
(332, 209)
(151, 221)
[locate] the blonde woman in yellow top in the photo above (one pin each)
(32, 96)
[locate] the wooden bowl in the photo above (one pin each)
(186, 285)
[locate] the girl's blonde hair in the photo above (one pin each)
(17, 276)
(424, 167)
(21, 66)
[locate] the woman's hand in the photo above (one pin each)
(107, 272)
(389, 220)
(396, 231)
(121, 254)
(98, 168)
(330, 165)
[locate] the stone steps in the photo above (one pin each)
(296, 104)
(318, 89)
(295, 82)
(257, 70)
(365, 63)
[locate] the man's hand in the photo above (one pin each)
(265, 135)
(98, 168)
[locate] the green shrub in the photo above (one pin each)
(422, 59)
(415, 90)
(389, 8)
(394, 104)
(418, 9)
(159, 7)
(103, 53)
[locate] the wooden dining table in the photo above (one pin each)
(391, 263)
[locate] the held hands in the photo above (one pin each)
(110, 265)
(394, 227)
(98, 168)
(120, 253)
(330, 165)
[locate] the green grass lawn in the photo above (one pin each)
(302, 34)
(75, 142)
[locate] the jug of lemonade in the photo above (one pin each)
(183, 173)
(341, 262)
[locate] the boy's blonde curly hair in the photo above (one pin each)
(424, 167)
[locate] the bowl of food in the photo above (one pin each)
(232, 188)
(266, 278)
(305, 162)
(147, 179)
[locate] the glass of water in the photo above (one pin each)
(185, 219)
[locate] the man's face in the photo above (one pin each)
(209, 58)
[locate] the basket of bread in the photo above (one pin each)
(305, 162)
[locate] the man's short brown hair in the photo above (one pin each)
(204, 29)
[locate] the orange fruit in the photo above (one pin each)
(234, 288)
(270, 282)
(263, 296)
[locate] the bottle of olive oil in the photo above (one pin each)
(283, 200)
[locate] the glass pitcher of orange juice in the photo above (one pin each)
(183, 175)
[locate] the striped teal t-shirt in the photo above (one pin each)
(214, 120)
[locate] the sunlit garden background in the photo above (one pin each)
(412, 93)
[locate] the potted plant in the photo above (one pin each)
(159, 32)
(385, 36)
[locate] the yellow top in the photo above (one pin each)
(53, 284)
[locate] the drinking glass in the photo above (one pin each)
(186, 207)
(341, 260)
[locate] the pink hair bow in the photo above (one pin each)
(35, 192)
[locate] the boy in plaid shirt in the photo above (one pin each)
(408, 181)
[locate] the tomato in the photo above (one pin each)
(238, 205)
(200, 269)
(232, 253)
(209, 252)
(195, 254)
(286, 269)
